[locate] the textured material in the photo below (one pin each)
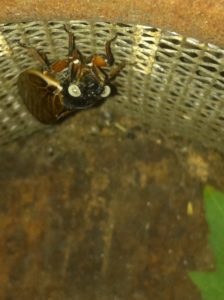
(193, 18)
(173, 83)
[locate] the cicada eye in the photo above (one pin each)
(74, 90)
(106, 91)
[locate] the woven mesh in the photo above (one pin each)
(173, 83)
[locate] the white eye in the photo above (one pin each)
(106, 91)
(76, 61)
(74, 90)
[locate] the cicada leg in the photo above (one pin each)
(103, 60)
(99, 61)
(109, 54)
(75, 57)
(55, 67)
(73, 52)
(99, 74)
(116, 71)
(37, 55)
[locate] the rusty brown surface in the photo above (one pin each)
(96, 208)
(200, 19)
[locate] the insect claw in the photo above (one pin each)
(66, 28)
(114, 38)
(23, 45)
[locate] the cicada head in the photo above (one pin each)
(86, 93)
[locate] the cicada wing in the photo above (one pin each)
(41, 95)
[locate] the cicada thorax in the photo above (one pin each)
(42, 96)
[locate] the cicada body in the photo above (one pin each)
(66, 86)
(41, 96)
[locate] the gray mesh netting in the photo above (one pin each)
(176, 83)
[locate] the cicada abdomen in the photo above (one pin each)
(42, 96)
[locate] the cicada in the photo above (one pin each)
(69, 85)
